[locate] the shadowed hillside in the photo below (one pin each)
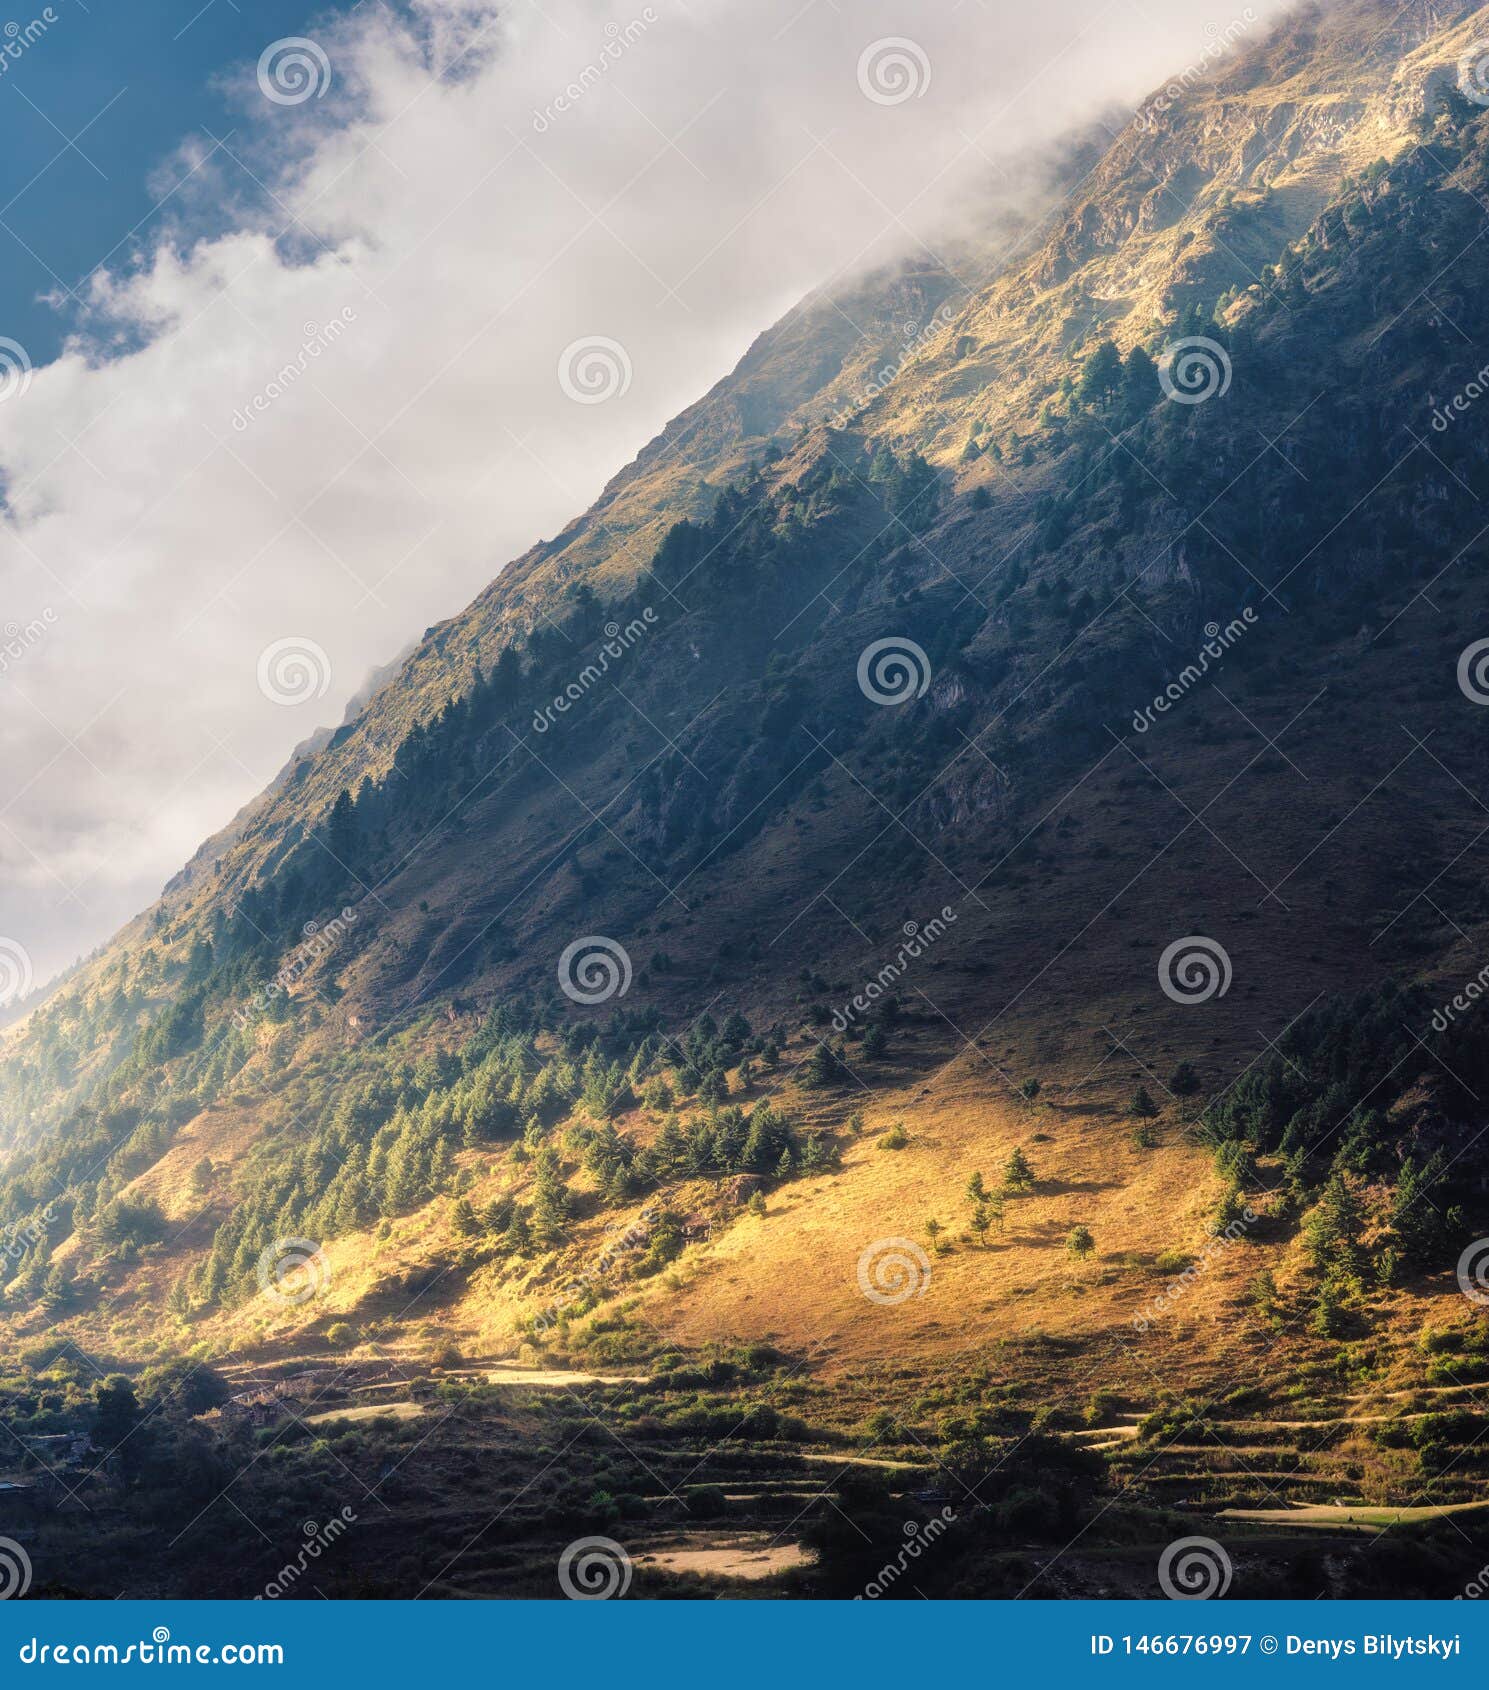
(940, 914)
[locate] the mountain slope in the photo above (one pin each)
(1079, 776)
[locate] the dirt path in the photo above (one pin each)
(1361, 1518)
(368, 1411)
(748, 1556)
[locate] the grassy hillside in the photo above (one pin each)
(921, 924)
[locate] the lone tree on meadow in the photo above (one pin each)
(1079, 1242)
(1018, 1174)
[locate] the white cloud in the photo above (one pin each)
(725, 160)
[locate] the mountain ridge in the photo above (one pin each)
(729, 791)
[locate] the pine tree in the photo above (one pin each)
(824, 1068)
(1018, 1173)
(1332, 1234)
(1101, 376)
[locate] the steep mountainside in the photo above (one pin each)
(1013, 730)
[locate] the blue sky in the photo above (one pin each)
(89, 110)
